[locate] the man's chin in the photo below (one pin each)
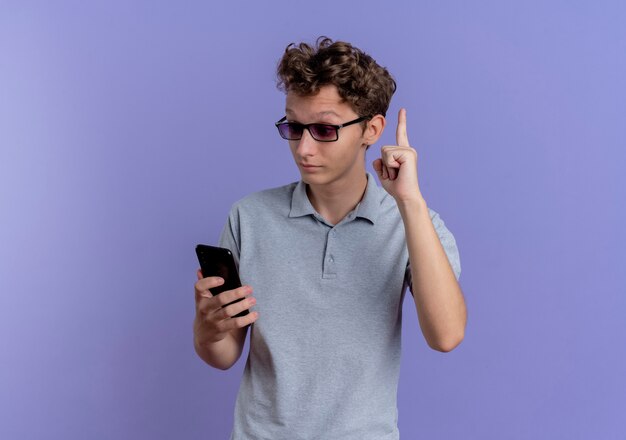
(313, 179)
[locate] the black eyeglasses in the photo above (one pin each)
(292, 131)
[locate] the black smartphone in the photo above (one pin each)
(219, 262)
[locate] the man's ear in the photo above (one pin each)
(374, 129)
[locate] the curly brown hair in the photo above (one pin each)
(360, 81)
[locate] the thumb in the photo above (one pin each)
(378, 167)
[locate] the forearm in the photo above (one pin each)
(221, 354)
(438, 298)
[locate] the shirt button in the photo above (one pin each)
(331, 259)
(334, 233)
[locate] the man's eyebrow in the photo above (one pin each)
(324, 113)
(327, 112)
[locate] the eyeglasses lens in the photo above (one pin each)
(290, 130)
(323, 132)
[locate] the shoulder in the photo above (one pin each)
(272, 199)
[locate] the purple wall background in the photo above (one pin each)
(127, 129)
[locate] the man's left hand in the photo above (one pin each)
(397, 166)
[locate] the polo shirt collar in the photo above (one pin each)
(367, 208)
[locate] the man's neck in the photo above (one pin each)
(336, 200)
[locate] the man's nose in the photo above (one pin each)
(306, 145)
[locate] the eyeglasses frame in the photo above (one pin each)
(306, 126)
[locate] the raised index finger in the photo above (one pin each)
(402, 139)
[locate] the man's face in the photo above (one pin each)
(322, 163)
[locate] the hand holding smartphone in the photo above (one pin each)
(219, 262)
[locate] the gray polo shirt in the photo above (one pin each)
(325, 352)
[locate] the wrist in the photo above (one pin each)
(416, 202)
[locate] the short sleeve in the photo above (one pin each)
(449, 246)
(230, 236)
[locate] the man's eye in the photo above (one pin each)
(324, 131)
(294, 127)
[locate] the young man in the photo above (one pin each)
(329, 258)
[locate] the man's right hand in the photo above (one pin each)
(213, 321)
